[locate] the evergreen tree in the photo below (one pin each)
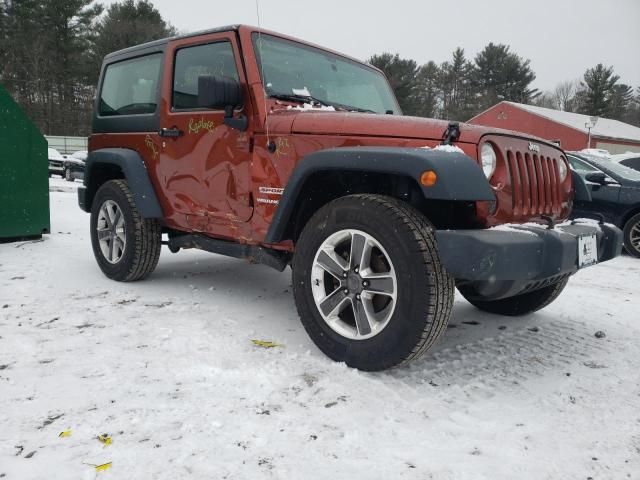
(402, 75)
(44, 51)
(633, 115)
(620, 102)
(457, 93)
(427, 91)
(598, 85)
(126, 24)
(500, 74)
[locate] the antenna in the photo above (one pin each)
(264, 86)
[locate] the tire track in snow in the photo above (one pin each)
(478, 369)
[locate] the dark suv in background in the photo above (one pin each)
(615, 194)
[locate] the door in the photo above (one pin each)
(206, 164)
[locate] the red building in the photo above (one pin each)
(569, 129)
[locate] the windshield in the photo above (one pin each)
(291, 68)
(617, 169)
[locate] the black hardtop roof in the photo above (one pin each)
(156, 43)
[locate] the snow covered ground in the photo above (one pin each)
(168, 369)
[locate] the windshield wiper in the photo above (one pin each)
(351, 108)
(299, 98)
(311, 99)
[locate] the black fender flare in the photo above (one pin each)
(459, 177)
(135, 173)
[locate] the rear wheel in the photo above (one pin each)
(632, 236)
(368, 282)
(126, 246)
(519, 304)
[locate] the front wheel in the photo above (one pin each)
(519, 304)
(632, 236)
(126, 246)
(368, 282)
(67, 175)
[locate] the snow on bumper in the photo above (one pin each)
(508, 260)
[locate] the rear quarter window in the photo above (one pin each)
(131, 87)
(632, 163)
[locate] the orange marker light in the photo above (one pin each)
(428, 178)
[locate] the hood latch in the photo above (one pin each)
(451, 134)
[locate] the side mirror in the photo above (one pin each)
(596, 177)
(222, 92)
(218, 92)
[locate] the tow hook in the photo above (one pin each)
(550, 222)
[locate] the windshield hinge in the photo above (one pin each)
(451, 134)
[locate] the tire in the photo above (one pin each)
(125, 256)
(404, 257)
(67, 175)
(632, 236)
(519, 304)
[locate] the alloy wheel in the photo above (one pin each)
(354, 284)
(634, 236)
(111, 231)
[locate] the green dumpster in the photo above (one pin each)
(24, 174)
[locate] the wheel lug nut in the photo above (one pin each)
(358, 296)
(365, 284)
(344, 274)
(346, 291)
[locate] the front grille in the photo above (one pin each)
(535, 181)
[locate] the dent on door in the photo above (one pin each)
(209, 179)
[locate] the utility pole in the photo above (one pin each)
(589, 125)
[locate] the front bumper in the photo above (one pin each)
(500, 263)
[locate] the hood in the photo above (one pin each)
(318, 122)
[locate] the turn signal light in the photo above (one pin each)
(428, 178)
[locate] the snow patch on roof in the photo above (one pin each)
(596, 152)
(605, 127)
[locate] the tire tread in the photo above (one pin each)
(147, 238)
(439, 304)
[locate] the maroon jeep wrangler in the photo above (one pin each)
(250, 144)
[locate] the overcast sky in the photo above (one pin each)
(562, 38)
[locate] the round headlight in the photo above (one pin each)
(488, 159)
(562, 168)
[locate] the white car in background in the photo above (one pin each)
(74, 165)
(56, 162)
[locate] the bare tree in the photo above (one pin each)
(546, 100)
(564, 95)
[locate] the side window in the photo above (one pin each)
(581, 166)
(130, 87)
(192, 62)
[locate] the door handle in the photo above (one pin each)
(170, 132)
